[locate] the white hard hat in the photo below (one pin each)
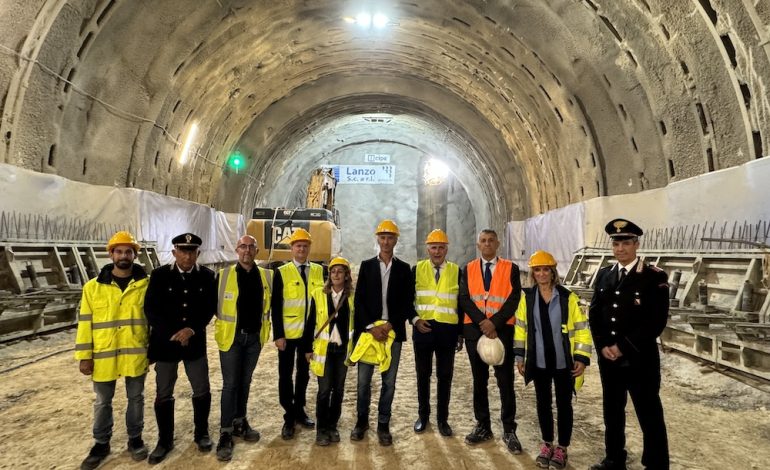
(491, 351)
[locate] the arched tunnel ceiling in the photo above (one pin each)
(560, 100)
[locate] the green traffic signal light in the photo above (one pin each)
(236, 161)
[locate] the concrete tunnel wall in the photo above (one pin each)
(545, 102)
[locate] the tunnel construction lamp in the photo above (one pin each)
(236, 161)
(192, 133)
(367, 20)
(379, 20)
(364, 20)
(435, 172)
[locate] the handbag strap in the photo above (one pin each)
(343, 299)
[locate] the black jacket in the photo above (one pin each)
(368, 296)
(632, 314)
(173, 303)
(471, 330)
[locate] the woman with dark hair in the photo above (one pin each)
(552, 344)
(327, 342)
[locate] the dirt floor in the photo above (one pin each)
(714, 421)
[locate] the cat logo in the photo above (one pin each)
(277, 236)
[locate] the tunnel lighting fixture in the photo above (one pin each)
(236, 161)
(192, 133)
(367, 20)
(435, 172)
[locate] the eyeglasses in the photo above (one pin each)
(247, 247)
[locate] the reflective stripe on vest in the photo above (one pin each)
(295, 305)
(437, 301)
(499, 289)
(321, 343)
(227, 307)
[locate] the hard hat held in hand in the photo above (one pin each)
(387, 226)
(491, 351)
(123, 238)
(437, 236)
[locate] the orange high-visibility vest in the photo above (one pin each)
(499, 289)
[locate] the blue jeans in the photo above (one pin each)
(388, 390)
(103, 408)
(238, 365)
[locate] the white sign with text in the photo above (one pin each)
(365, 174)
(377, 158)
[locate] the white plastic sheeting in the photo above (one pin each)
(150, 216)
(739, 194)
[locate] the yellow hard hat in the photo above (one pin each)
(542, 258)
(437, 236)
(387, 226)
(300, 235)
(123, 238)
(339, 261)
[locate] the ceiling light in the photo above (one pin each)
(188, 143)
(380, 20)
(364, 20)
(435, 172)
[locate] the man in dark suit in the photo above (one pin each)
(628, 312)
(384, 291)
(180, 301)
(490, 289)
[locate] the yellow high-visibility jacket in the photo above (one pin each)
(576, 337)
(295, 306)
(321, 343)
(437, 301)
(227, 307)
(370, 351)
(112, 328)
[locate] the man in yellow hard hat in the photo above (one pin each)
(112, 342)
(294, 283)
(436, 328)
(384, 293)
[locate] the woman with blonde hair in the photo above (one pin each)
(552, 345)
(327, 342)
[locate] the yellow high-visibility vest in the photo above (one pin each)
(227, 307)
(295, 305)
(112, 329)
(321, 342)
(437, 301)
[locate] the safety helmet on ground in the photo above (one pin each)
(123, 238)
(339, 261)
(541, 258)
(437, 236)
(300, 235)
(491, 351)
(387, 226)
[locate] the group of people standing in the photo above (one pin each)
(129, 320)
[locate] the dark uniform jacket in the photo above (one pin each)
(172, 303)
(368, 296)
(631, 314)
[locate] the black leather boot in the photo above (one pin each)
(201, 408)
(164, 414)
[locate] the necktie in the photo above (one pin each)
(438, 273)
(622, 275)
(304, 280)
(488, 276)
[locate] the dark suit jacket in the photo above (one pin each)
(471, 330)
(172, 303)
(368, 296)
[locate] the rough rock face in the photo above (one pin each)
(534, 104)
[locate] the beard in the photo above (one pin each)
(123, 264)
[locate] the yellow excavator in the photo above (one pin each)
(272, 227)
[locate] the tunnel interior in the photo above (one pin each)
(533, 105)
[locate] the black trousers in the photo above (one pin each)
(331, 388)
(562, 382)
(291, 393)
(642, 382)
(423, 362)
(504, 376)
